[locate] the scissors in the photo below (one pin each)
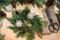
(53, 26)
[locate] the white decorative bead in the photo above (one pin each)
(31, 15)
(19, 23)
(9, 8)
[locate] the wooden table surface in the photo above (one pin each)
(10, 35)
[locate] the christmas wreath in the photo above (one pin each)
(26, 23)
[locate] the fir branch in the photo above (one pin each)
(58, 14)
(36, 24)
(5, 2)
(11, 20)
(30, 36)
(2, 37)
(14, 28)
(20, 34)
(39, 3)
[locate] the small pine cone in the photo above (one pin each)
(29, 1)
(2, 14)
(49, 3)
(13, 3)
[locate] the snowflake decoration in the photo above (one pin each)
(19, 23)
(31, 15)
(9, 8)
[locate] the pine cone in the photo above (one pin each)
(13, 3)
(29, 1)
(50, 3)
(2, 14)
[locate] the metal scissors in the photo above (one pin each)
(53, 26)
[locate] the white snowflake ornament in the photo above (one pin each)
(9, 8)
(31, 15)
(19, 23)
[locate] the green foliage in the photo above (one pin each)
(2, 6)
(36, 23)
(4, 3)
(26, 30)
(22, 1)
(1, 17)
(20, 34)
(30, 36)
(38, 3)
(14, 28)
(58, 13)
(2, 37)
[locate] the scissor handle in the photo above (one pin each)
(56, 26)
(51, 28)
